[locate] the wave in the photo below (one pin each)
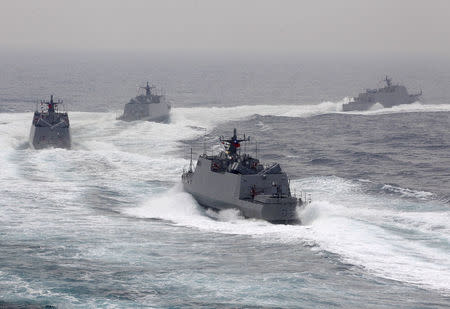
(389, 236)
(139, 145)
(188, 123)
(364, 230)
(407, 192)
(386, 234)
(213, 116)
(372, 240)
(416, 107)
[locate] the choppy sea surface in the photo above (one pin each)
(107, 225)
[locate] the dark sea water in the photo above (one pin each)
(107, 225)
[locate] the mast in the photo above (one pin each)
(52, 105)
(148, 90)
(190, 164)
(204, 143)
(234, 143)
(388, 81)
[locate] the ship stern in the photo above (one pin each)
(279, 210)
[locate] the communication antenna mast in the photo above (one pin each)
(190, 164)
(204, 143)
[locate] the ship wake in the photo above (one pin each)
(373, 232)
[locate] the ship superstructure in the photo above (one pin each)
(50, 126)
(234, 180)
(150, 106)
(388, 96)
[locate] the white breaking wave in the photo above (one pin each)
(376, 233)
(416, 107)
(373, 243)
(94, 131)
(368, 231)
(364, 230)
(376, 106)
(138, 146)
(408, 192)
(210, 117)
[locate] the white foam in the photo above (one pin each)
(365, 231)
(342, 219)
(376, 106)
(406, 108)
(408, 192)
(374, 232)
(373, 246)
(174, 205)
(209, 117)
(13, 133)
(180, 208)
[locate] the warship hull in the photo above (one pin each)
(45, 137)
(221, 191)
(158, 112)
(271, 212)
(386, 102)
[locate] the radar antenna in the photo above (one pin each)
(190, 164)
(52, 105)
(233, 143)
(148, 89)
(388, 81)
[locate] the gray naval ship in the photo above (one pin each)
(231, 180)
(388, 96)
(50, 127)
(149, 106)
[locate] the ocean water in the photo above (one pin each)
(107, 225)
